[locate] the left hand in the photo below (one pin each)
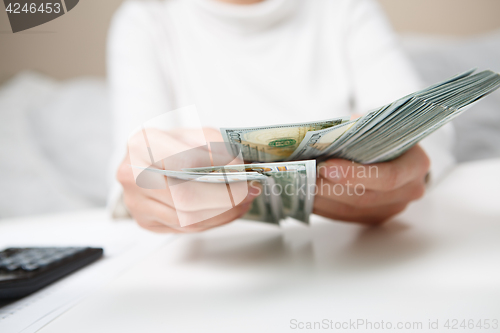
(177, 206)
(370, 194)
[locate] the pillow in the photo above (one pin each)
(54, 143)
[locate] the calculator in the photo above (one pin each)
(26, 270)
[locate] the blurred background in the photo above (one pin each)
(54, 112)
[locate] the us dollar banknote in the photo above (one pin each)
(316, 143)
(285, 187)
(272, 143)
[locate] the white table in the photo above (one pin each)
(124, 244)
(438, 261)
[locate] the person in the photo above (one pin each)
(254, 63)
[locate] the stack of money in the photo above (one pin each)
(287, 154)
(380, 135)
(285, 188)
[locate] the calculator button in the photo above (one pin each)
(72, 251)
(12, 267)
(44, 261)
(58, 256)
(30, 267)
(24, 261)
(7, 261)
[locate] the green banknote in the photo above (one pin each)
(272, 143)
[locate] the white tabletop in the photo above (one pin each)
(124, 244)
(438, 261)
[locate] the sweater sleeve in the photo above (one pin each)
(381, 73)
(138, 83)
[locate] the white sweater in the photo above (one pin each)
(277, 61)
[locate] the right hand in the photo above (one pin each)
(156, 210)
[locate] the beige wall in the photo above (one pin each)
(74, 44)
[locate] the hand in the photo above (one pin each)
(160, 210)
(370, 194)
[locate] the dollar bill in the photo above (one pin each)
(388, 132)
(207, 177)
(265, 207)
(251, 168)
(293, 184)
(285, 186)
(272, 143)
(316, 143)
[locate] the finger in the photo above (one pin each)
(221, 155)
(142, 211)
(152, 210)
(190, 196)
(193, 195)
(173, 150)
(385, 176)
(359, 196)
(150, 146)
(219, 220)
(178, 150)
(146, 210)
(213, 152)
(212, 135)
(367, 215)
(209, 218)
